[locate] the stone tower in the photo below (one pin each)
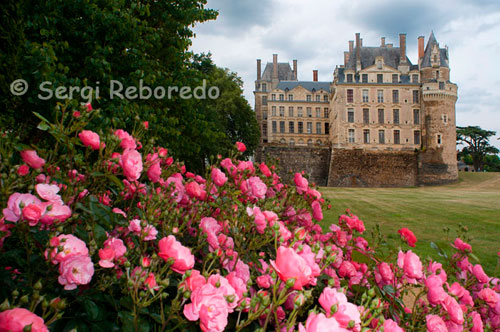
(438, 160)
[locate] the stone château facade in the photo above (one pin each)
(382, 121)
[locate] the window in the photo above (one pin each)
(380, 96)
(274, 127)
(395, 78)
(309, 112)
(318, 112)
(264, 100)
(327, 128)
(350, 115)
(318, 98)
(395, 96)
(282, 126)
(441, 85)
(264, 115)
(414, 78)
(379, 64)
(380, 78)
(301, 142)
(381, 136)
(366, 136)
(439, 139)
(366, 115)
(299, 111)
(437, 73)
(290, 111)
(395, 116)
(283, 141)
(349, 78)
(309, 142)
(415, 96)
(325, 98)
(350, 96)
(397, 139)
(282, 97)
(318, 127)
(309, 127)
(416, 137)
(364, 78)
(264, 87)
(273, 111)
(380, 116)
(308, 97)
(351, 136)
(292, 141)
(325, 112)
(273, 97)
(301, 127)
(264, 130)
(365, 96)
(416, 116)
(291, 127)
(290, 97)
(445, 118)
(282, 110)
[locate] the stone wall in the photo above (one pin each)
(360, 168)
(314, 161)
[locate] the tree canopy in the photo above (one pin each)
(477, 145)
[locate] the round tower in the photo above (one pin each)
(438, 158)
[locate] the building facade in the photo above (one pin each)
(379, 107)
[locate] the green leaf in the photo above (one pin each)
(99, 234)
(91, 309)
(38, 115)
(43, 126)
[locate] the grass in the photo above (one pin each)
(474, 201)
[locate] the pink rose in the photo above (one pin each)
(454, 310)
(31, 158)
(289, 265)
(209, 305)
(436, 294)
(408, 236)
(478, 272)
(66, 246)
(317, 213)
(16, 203)
(320, 323)
(489, 296)
(23, 170)
(32, 213)
(135, 226)
(54, 211)
(346, 311)
(150, 281)
(392, 326)
(195, 190)
(411, 264)
(126, 140)
(90, 139)
(75, 270)
(461, 245)
(477, 322)
(256, 187)
(154, 172)
(106, 257)
(259, 219)
(386, 272)
(264, 281)
(117, 246)
(241, 147)
(171, 248)
(218, 177)
(131, 162)
(48, 192)
(15, 320)
(301, 183)
(435, 324)
(265, 170)
(194, 281)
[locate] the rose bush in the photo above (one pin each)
(100, 232)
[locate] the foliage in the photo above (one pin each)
(477, 144)
(101, 232)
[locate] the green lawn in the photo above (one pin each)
(474, 201)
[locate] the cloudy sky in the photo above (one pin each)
(316, 33)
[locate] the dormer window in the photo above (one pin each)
(349, 78)
(379, 64)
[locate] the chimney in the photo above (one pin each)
(275, 66)
(295, 69)
(315, 75)
(420, 47)
(358, 52)
(382, 42)
(259, 69)
(346, 58)
(361, 42)
(388, 45)
(402, 47)
(351, 46)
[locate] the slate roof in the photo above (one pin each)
(308, 85)
(443, 54)
(285, 72)
(368, 54)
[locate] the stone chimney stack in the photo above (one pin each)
(351, 46)
(346, 58)
(420, 47)
(295, 73)
(382, 42)
(259, 69)
(275, 66)
(358, 52)
(402, 47)
(315, 75)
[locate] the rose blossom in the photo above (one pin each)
(346, 311)
(256, 187)
(218, 177)
(169, 247)
(392, 326)
(75, 270)
(15, 320)
(31, 158)
(90, 139)
(435, 324)
(48, 192)
(13, 211)
(301, 183)
(23, 170)
(411, 264)
(71, 246)
(289, 265)
(131, 162)
(320, 323)
(106, 256)
(194, 281)
(209, 305)
(32, 213)
(478, 272)
(241, 147)
(126, 140)
(461, 245)
(317, 213)
(408, 236)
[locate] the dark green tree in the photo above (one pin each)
(477, 144)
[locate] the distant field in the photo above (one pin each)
(474, 201)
